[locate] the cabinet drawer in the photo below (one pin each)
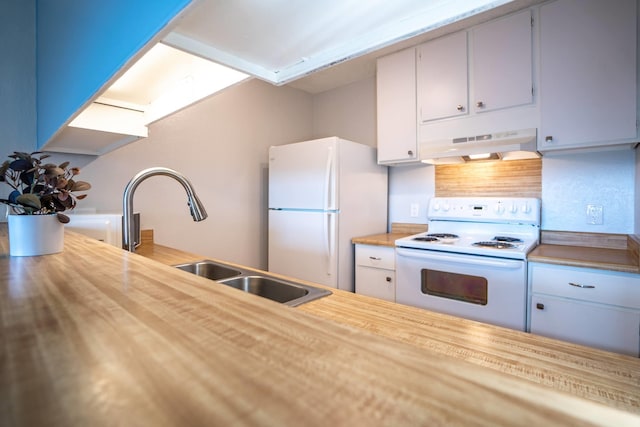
(376, 256)
(603, 287)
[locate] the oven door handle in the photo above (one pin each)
(476, 261)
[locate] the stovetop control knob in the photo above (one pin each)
(525, 208)
(513, 208)
(436, 206)
(499, 208)
(446, 206)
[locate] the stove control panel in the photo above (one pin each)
(522, 210)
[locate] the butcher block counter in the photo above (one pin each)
(615, 252)
(99, 336)
(398, 231)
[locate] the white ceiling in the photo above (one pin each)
(319, 45)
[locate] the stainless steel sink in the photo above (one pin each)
(210, 270)
(275, 289)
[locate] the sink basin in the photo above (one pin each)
(275, 289)
(210, 270)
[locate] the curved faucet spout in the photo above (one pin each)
(195, 206)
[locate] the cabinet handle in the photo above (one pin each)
(540, 306)
(578, 285)
(410, 152)
(460, 107)
(375, 258)
(548, 138)
(480, 104)
(388, 279)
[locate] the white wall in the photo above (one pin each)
(570, 182)
(220, 145)
(410, 185)
(348, 112)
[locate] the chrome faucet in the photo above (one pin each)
(195, 206)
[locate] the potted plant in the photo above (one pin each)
(41, 192)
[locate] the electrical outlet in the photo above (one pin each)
(594, 214)
(415, 209)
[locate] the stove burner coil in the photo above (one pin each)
(426, 239)
(443, 235)
(507, 239)
(495, 245)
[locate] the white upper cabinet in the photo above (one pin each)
(502, 63)
(396, 103)
(443, 77)
(588, 73)
(487, 68)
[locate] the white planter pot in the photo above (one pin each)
(31, 235)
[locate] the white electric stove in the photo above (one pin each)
(500, 227)
(472, 261)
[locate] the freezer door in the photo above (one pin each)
(302, 245)
(303, 175)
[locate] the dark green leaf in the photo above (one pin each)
(29, 200)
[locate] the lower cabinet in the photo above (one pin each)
(585, 306)
(375, 271)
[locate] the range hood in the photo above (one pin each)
(507, 145)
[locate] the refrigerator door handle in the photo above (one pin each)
(327, 178)
(329, 242)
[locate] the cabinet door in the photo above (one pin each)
(443, 77)
(396, 103)
(588, 73)
(376, 282)
(596, 325)
(502, 63)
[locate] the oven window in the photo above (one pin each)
(461, 287)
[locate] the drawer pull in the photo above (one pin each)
(540, 306)
(375, 258)
(388, 279)
(578, 285)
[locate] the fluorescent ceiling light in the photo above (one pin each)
(163, 81)
(479, 156)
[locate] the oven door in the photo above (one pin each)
(491, 290)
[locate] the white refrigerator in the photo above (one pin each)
(322, 193)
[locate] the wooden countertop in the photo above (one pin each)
(622, 255)
(594, 374)
(96, 336)
(382, 239)
(576, 256)
(398, 231)
(616, 252)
